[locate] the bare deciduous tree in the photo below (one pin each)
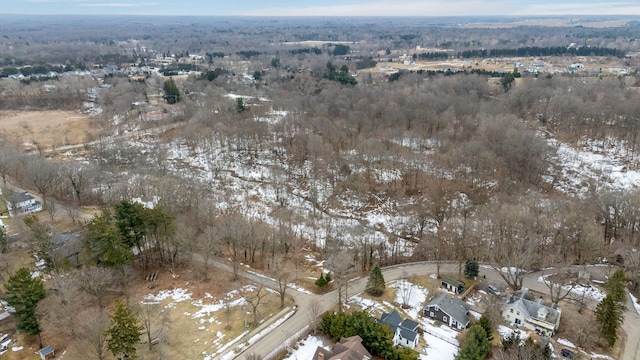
(97, 281)
(254, 297)
(93, 331)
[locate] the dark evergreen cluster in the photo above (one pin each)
(313, 50)
(376, 337)
(342, 76)
(248, 53)
(543, 51)
(431, 56)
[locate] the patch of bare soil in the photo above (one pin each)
(47, 129)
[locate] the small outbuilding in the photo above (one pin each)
(455, 286)
(47, 353)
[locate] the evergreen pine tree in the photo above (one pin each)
(124, 333)
(23, 292)
(375, 284)
(321, 282)
(486, 324)
(610, 316)
(617, 287)
(475, 345)
(471, 268)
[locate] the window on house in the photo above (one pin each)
(511, 311)
(444, 318)
(436, 308)
(432, 314)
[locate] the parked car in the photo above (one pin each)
(567, 353)
(493, 290)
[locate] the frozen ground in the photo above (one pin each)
(607, 165)
(588, 291)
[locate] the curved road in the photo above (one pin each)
(295, 326)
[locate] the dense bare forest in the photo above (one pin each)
(272, 139)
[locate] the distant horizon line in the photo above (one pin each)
(337, 16)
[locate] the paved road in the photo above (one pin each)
(297, 325)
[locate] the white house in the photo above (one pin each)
(405, 332)
(524, 311)
(20, 203)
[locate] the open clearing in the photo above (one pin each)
(46, 129)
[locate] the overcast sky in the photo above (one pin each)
(322, 8)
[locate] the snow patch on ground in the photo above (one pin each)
(566, 342)
(635, 303)
(305, 348)
(176, 295)
(438, 349)
(414, 295)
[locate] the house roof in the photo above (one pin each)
(408, 334)
(346, 349)
(409, 324)
(46, 351)
(392, 318)
(535, 309)
(407, 327)
(452, 306)
(452, 282)
(17, 198)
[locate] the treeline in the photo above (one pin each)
(431, 56)
(543, 51)
(40, 69)
(313, 50)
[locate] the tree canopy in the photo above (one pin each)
(110, 237)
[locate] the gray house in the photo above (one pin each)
(405, 332)
(450, 310)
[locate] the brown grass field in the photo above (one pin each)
(45, 128)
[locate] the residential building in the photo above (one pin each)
(522, 310)
(21, 203)
(346, 349)
(448, 309)
(405, 332)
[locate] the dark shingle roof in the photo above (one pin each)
(392, 318)
(409, 324)
(452, 306)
